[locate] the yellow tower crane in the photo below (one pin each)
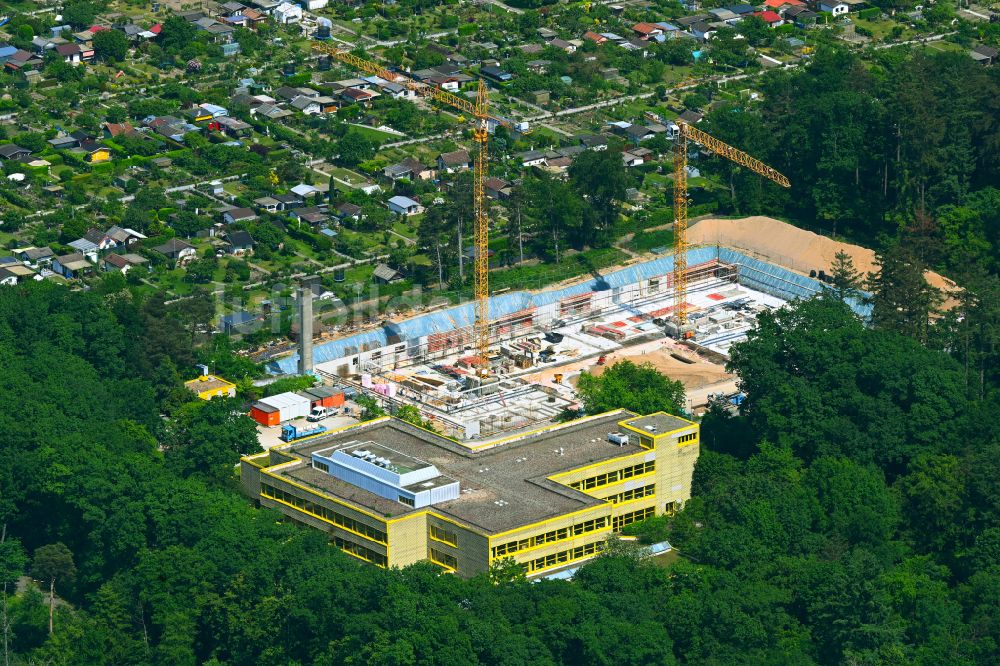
(687, 132)
(479, 111)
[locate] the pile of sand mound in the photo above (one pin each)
(790, 247)
(694, 375)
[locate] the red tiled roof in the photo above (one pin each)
(646, 28)
(768, 16)
(778, 3)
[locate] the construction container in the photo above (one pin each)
(324, 396)
(276, 409)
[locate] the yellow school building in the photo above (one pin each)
(393, 494)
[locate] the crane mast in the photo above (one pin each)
(686, 132)
(480, 112)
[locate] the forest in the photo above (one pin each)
(902, 141)
(849, 514)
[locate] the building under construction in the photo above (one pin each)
(428, 360)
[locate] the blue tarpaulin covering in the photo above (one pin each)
(753, 273)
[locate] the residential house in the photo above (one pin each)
(638, 133)
(833, 7)
(495, 73)
(288, 201)
(63, 142)
(399, 91)
(242, 323)
(270, 111)
(72, 266)
(327, 104)
(233, 127)
(286, 13)
(457, 160)
(445, 82)
(85, 247)
(498, 188)
(238, 215)
(742, 9)
(348, 211)
(99, 240)
(385, 275)
(670, 31)
(239, 243)
(637, 156)
(563, 45)
(71, 53)
(800, 16)
(779, 6)
(772, 19)
(95, 153)
(984, 55)
(647, 31)
(34, 256)
(311, 215)
(725, 15)
(690, 117)
(593, 141)
(7, 277)
(702, 31)
(122, 263)
(12, 151)
(112, 130)
(124, 237)
(409, 168)
(269, 204)
(306, 105)
(358, 96)
(177, 251)
(304, 191)
(532, 158)
(404, 206)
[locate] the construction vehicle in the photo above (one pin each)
(291, 433)
(685, 133)
(483, 123)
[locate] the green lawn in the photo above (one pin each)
(541, 275)
(347, 175)
(375, 135)
(645, 241)
(405, 228)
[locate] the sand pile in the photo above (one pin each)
(785, 245)
(693, 375)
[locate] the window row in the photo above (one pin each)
(549, 537)
(321, 466)
(636, 493)
(443, 535)
(443, 559)
(608, 478)
(690, 437)
(633, 517)
(324, 513)
(356, 550)
(563, 556)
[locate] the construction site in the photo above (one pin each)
(539, 342)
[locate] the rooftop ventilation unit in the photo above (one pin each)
(360, 453)
(619, 438)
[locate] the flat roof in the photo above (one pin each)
(658, 423)
(503, 487)
(207, 383)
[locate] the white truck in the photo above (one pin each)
(320, 413)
